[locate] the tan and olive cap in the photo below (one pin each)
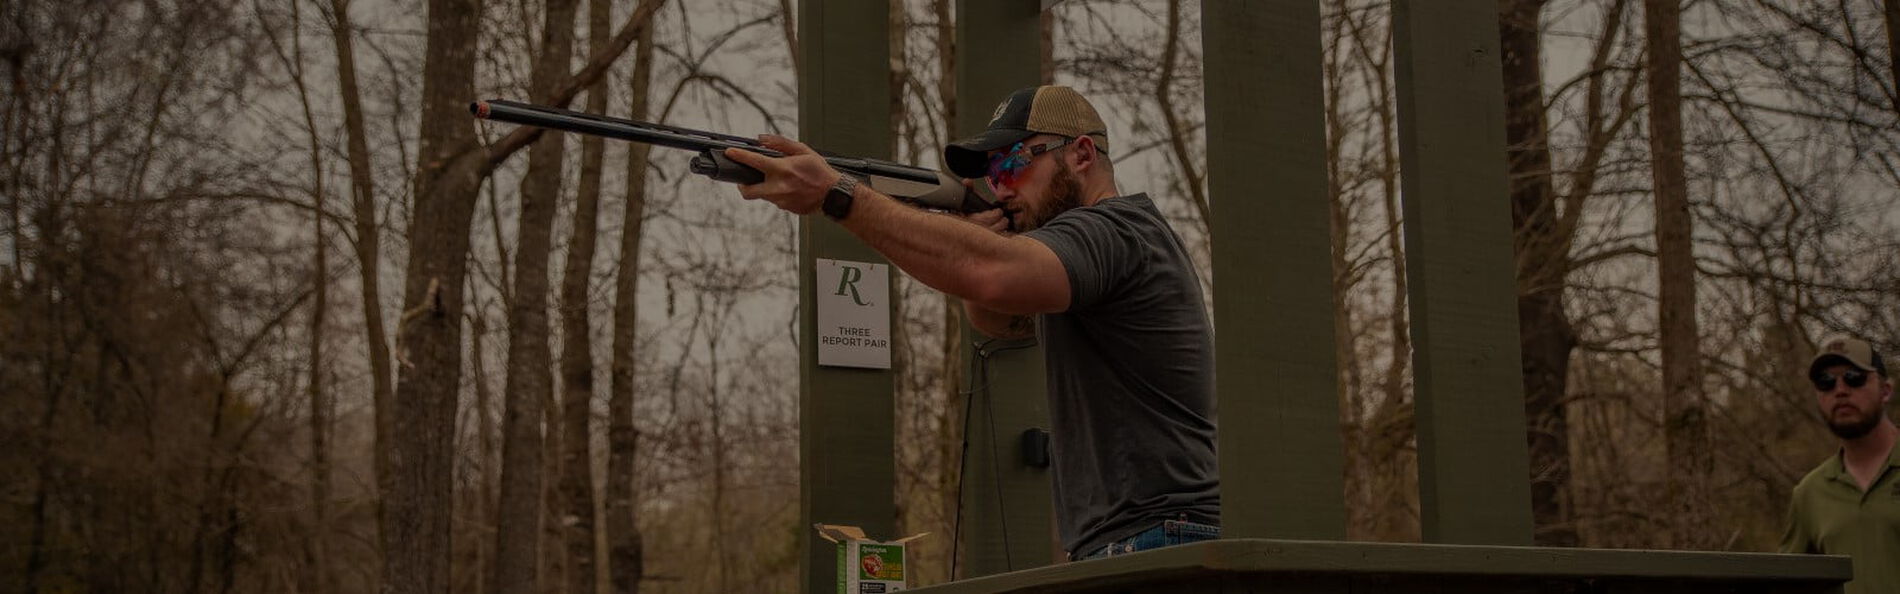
(1849, 350)
(1027, 112)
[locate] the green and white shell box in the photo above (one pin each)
(867, 566)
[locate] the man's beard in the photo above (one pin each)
(1065, 192)
(1854, 429)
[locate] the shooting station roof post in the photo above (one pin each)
(1005, 504)
(1274, 347)
(1473, 461)
(846, 445)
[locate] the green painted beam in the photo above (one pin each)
(846, 460)
(1473, 467)
(1007, 510)
(1255, 565)
(1281, 458)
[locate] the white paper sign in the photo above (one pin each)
(854, 318)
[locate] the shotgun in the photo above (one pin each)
(915, 185)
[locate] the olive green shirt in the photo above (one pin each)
(1829, 514)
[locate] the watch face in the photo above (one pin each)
(838, 201)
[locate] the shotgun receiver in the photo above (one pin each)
(914, 185)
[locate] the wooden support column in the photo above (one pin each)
(1472, 468)
(1281, 456)
(1006, 505)
(846, 461)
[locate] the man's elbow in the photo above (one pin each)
(996, 289)
(1025, 280)
(1004, 327)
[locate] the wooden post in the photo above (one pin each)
(1473, 469)
(846, 461)
(1006, 506)
(1281, 457)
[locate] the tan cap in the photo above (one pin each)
(1027, 112)
(1849, 350)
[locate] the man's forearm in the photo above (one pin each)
(943, 252)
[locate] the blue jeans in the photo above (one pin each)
(1166, 534)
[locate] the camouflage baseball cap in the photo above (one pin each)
(1849, 350)
(1027, 112)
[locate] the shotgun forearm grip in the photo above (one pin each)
(716, 165)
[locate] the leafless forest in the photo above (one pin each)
(276, 315)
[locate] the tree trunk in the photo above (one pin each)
(625, 562)
(319, 407)
(950, 398)
(317, 579)
(1047, 57)
(577, 360)
(899, 37)
(1177, 130)
(484, 443)
(1545, 336)
(1893, 47)
(417, 507)
(368, 238)
(789, 27)
(903, 133)
(1684, 426)
(530, 382)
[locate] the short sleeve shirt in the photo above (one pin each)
(1829, 514)
(1131, 376)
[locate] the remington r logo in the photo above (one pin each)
(848, 280)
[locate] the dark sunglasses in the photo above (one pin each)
(1006, 167)
(1854, 378)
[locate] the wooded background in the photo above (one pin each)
(276, 315)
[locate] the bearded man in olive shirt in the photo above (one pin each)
(1850, 504)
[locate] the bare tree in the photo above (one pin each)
(1544, 331)
(320, 409)
(1893, 48)
(576, 517)
(530, 382)
(429, 333)
(625, 561)
(451, 164)
(485, 490)
(1685, 426)
(368, 234)
(1176, 129)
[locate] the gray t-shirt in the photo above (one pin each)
(1131, 377)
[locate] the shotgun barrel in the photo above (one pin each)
(915, 185)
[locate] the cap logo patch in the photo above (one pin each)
(1838, 346)
(998, 114)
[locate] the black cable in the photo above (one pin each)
(979, 378)
(996, 471)
(963, 459)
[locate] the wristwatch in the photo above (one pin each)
(838, 201)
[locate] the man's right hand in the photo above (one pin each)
(995, 219)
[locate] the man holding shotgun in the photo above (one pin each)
(1096, 275)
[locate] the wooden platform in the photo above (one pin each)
(1280, 566)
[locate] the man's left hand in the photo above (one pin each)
(796, 182)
